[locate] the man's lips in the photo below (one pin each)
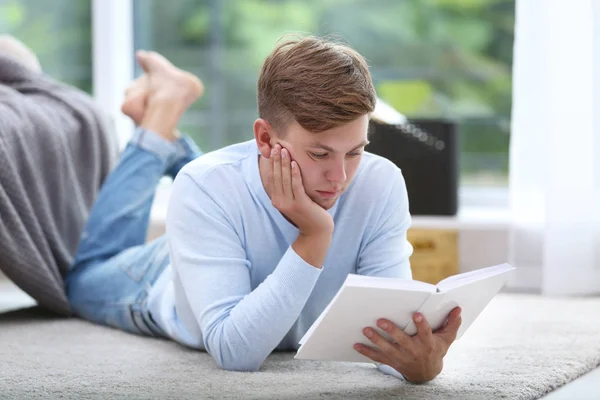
(328, 194)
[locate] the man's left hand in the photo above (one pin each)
(418, 358)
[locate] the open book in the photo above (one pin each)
(362, 300)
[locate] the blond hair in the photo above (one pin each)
(319, 83)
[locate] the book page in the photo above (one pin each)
(468, 277)
(388, 283)
(472, 296)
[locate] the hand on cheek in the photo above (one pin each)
(288, 195)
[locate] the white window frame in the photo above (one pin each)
(113, 59)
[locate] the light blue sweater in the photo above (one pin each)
(235, 287)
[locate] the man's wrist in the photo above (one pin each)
(420, 378)
(313, 248)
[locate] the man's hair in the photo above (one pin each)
(317, 82)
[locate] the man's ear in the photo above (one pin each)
(265, 137)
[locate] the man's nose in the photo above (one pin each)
(337, 172)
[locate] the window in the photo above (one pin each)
(58, 31)
(437, 58)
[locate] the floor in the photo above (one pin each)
(586, 387)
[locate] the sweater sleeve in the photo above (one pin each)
(386, 369)
(240, 326)
(387, 251)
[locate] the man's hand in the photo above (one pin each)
(418, 358)
(289, 197)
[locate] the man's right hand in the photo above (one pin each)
(287, 193)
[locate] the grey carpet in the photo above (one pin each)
(521, 347)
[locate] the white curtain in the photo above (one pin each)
(555, 147)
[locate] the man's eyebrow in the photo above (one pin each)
(317, 145)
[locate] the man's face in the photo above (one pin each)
(327, 160)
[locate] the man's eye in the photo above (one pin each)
(319, 155)
(355, 154)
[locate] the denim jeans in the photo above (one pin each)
(114, 267)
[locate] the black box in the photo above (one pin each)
(427, 152)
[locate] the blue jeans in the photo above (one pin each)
(114, 267)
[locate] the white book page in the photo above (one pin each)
(472, 296)
(468, 277)
(388, 283)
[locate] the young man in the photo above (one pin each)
(261, 234)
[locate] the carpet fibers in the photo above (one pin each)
(521, 347)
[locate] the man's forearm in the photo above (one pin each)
(241, 337)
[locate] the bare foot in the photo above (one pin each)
(169, 92)
(136, 99)
(165, 79)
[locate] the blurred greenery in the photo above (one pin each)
(429, 58)
(58, 31)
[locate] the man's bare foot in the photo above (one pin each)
(136, 99)
(165, 79)
(169, 92)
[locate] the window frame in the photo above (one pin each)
(113, 60)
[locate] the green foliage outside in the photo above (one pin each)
(429, 58)
(58, 31)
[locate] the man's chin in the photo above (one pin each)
(326, 203)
